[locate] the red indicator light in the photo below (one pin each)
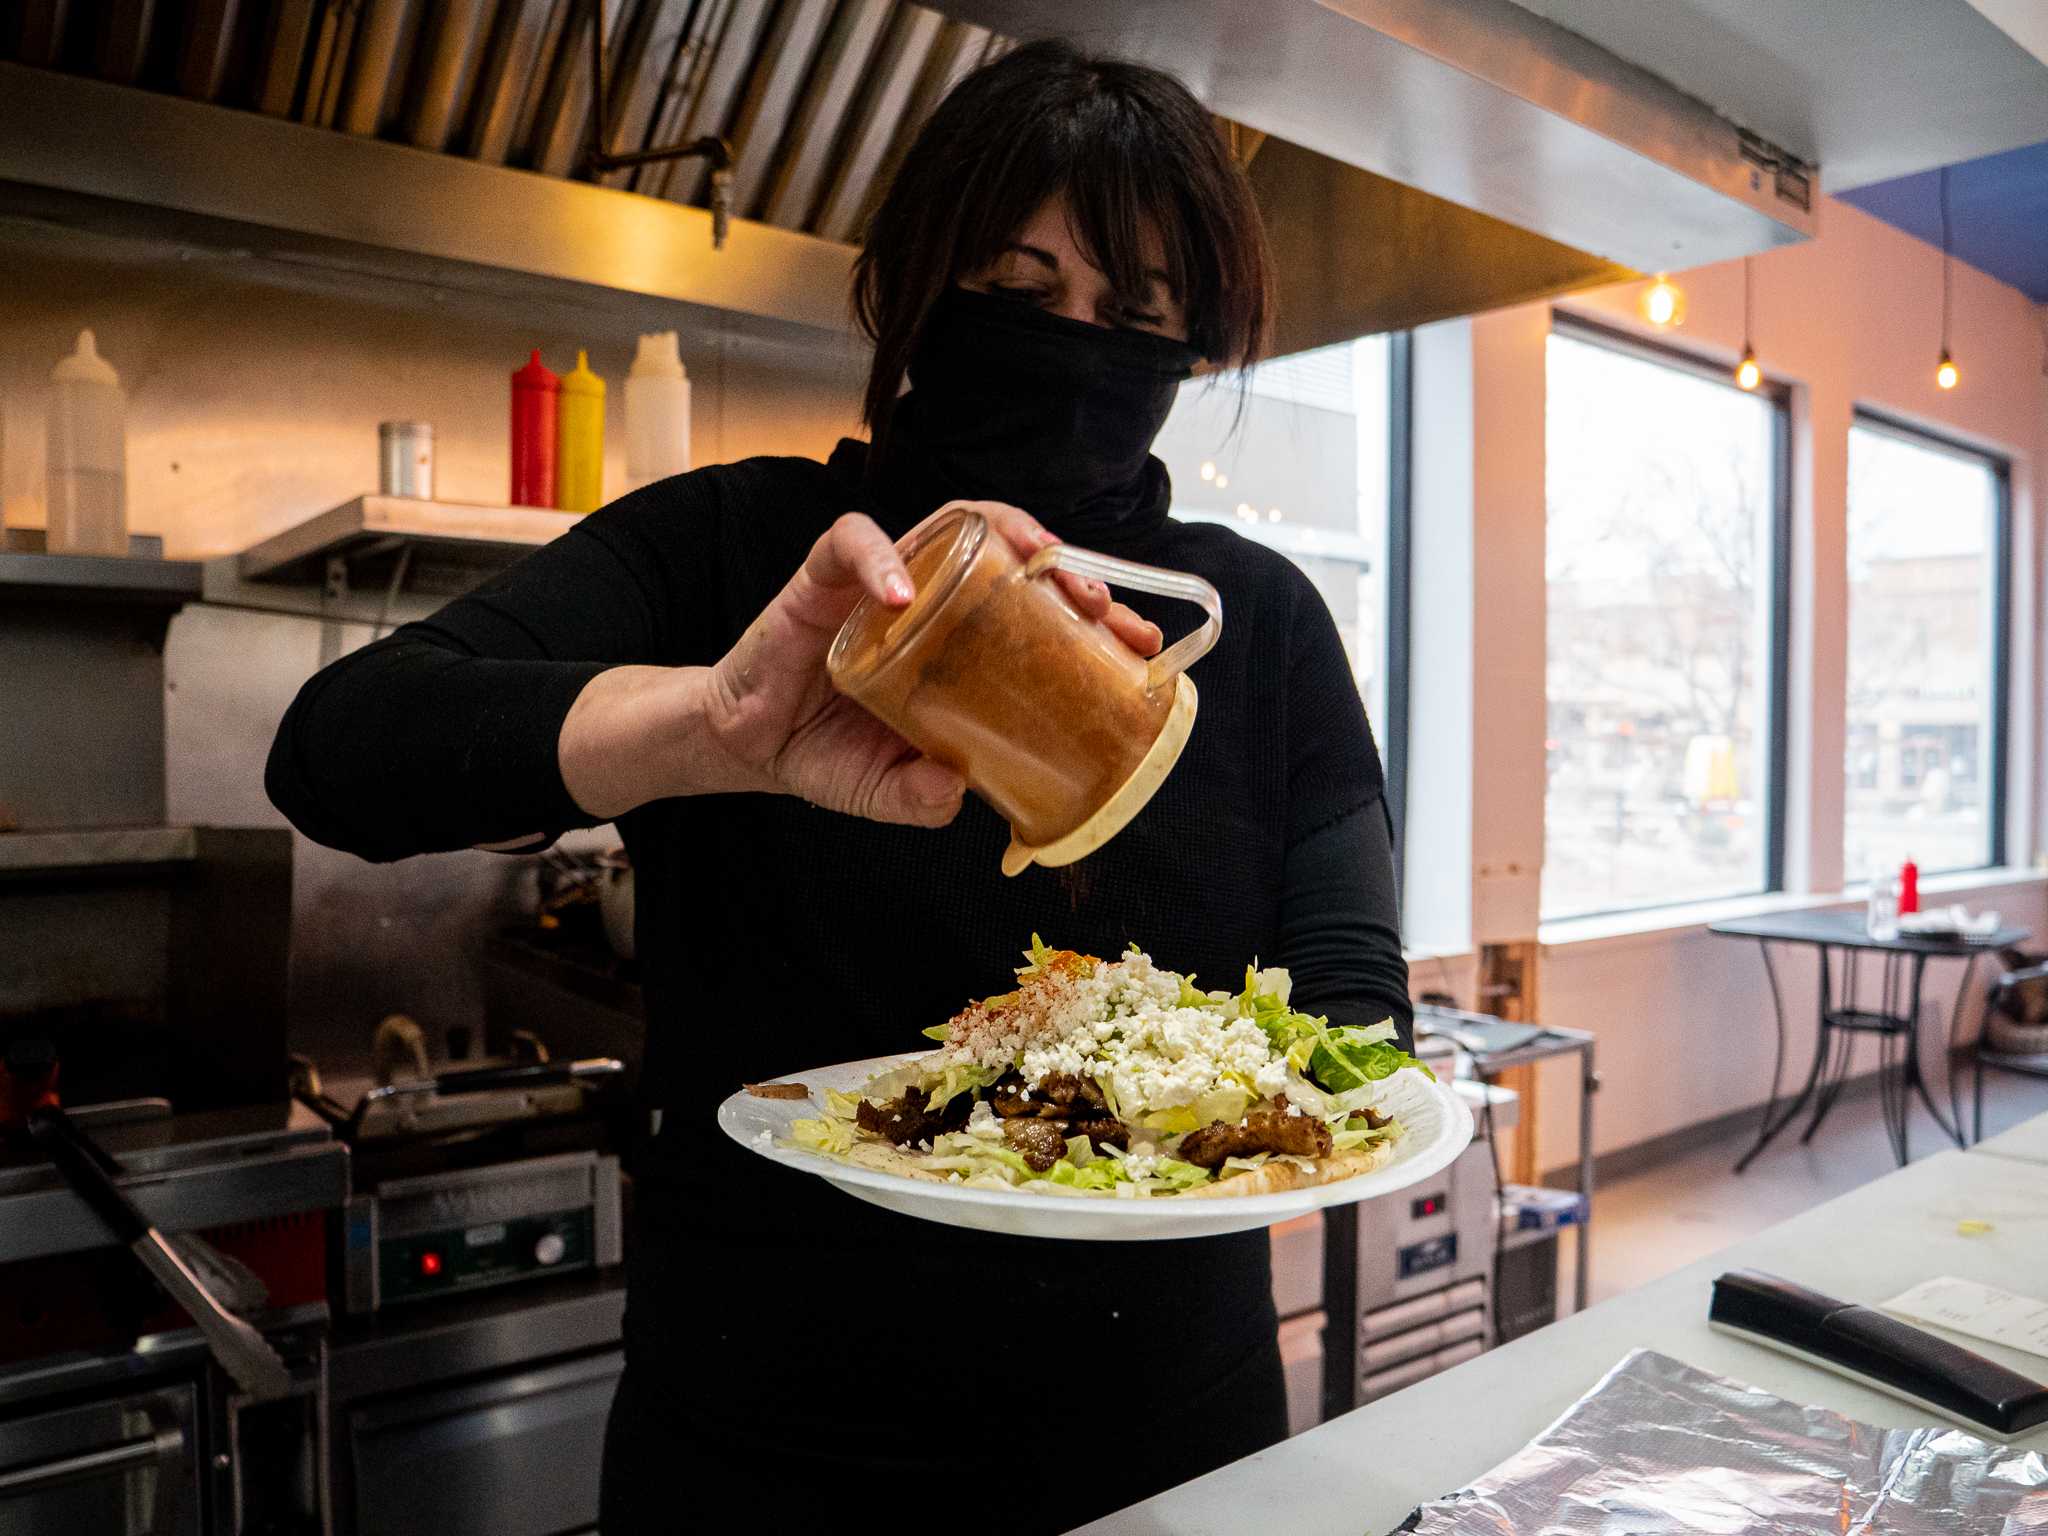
(430, 1264)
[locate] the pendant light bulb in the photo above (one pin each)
(1748, 374)
(1945, 374)
(1663, 303)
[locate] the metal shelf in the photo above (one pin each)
(95, 848)
(110, 579)
(451, 542)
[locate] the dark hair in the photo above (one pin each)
(1125, 143)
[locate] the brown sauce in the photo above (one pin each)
(1044, 712)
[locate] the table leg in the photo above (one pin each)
(1978, 1062)
(1773, 1122)
(1914, 1075)
(1892, 1096)
(1833, 1073)
(1588, 1085)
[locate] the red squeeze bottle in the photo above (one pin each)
(1909, 887)
(535, 394)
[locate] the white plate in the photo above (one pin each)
(1437, 1123)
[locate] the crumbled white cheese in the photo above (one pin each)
(1294, 1111)
(983, 1121)
(1123, 1025)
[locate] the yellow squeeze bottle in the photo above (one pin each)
(579, 439)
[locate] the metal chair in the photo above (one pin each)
(2020, 995)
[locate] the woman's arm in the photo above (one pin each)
(1340, 925)
(530, 706)
(1340, 915)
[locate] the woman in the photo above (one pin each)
(1066, 241)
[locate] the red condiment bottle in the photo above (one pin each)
(535, 395)
(1909, 887)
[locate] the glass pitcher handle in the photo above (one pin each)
(1184, 652)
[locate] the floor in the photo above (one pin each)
(1661, 1219)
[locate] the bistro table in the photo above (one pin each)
(1956, 1213)
(1893, 1017)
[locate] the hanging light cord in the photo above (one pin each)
(1947, 260)
(1747, 311)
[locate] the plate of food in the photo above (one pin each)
(1116, 1101)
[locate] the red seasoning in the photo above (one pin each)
(536, 392)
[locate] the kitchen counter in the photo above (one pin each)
(1367, 1471)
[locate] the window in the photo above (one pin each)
(1301, 464)
(1665, 497)
(1927, 555)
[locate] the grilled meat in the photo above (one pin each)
(1268, 1130)
(1061, 1096)
(1040, 1141)
(909, 1120)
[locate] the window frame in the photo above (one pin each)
(1400, 558)
(1876, 419)
(1776, 704)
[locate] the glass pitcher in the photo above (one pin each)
(1048, 715)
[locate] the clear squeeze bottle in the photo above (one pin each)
(86, 467)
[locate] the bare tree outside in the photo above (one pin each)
(1917, 769)
(1298, 461)
(1657, 547)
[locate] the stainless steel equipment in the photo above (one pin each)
(482, 1415)
(474, 1177)
(440, 1233)
(114, 1416)
(200, 1285)
(1424, 1276)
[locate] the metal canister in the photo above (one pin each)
(405, 459)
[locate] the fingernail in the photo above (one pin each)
(898, 588)
(1042, 537)
(1098, 589)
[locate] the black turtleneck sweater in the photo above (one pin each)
(775, 1323)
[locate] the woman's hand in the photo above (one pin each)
(767, 719)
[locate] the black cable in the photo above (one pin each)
(1947, 261)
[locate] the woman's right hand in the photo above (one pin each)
(767, 719)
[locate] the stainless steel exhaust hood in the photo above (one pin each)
(1415, 158)
(1475, 102)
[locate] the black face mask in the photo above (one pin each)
(1053, 415)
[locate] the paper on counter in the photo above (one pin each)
(1981, 1311)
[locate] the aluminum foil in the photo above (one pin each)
(1658, 1447)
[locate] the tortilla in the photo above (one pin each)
(1271, 1178)
(1278, 1176)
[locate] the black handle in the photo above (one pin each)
(1888, 1351)
(87, 1170)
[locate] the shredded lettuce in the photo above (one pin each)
(961, 1077)
(832, 1137)
(1226, 1102)
(1355, 1133)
